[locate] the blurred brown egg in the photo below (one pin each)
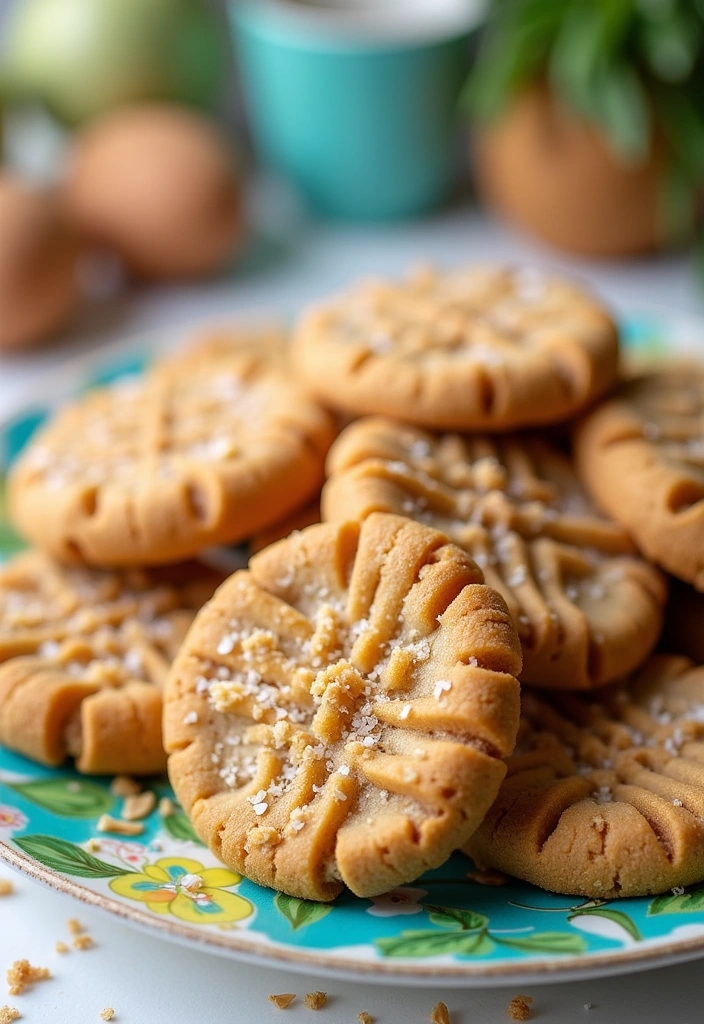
(549, 172)
(158, 185)
(38, 257)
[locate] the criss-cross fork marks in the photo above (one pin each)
(357, 686)
(83, 657)
(605, 796)
(586, 609)
(481, 312)
(670, 407)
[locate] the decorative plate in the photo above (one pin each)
(446, 926)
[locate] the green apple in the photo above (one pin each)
(82, 57)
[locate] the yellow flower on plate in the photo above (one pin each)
(186, 889)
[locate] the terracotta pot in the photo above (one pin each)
(549, 172)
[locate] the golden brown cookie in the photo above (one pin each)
(208, 448)
(338, 713)
(472, 349)
(586, 607)
(604, 795)
(83, 657)
(641, 455)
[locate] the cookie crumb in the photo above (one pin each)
(315, 1000)
(107, 1014)
(589, 1006)
(8, 1014)
(487, 877)
(123, 785)
(138, 806)
(21, 975)
(166, 807)
(519, 1008)
(83, 942)
(283, 1000)
(6, 887)
(74, 926)
(61, 948)
(365, 1018)
(440, 1014)
(106, 823)
(93, 845)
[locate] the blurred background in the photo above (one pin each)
(167, 163)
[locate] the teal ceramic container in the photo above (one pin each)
(366, 125)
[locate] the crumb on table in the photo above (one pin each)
(166, 807)
(93, 845)
(283, 1000)
(8, 1014)
(82, 942)
(21, 975)
(315, 1000)
(519, 1008)
(74, 926)
(123, 785)
(6, 887)
(107, 1014)
(61, 947)
(106, 823)
(138, 805)
(440, 1014)
(365, 1018)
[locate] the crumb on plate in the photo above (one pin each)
(283, 1000)
(365, 1018)
(123, 785)
(93, 845)
(82, 942)
(106, 823)
(74, 926)
(8, 1014)
(107, 1014)
(61, 947)
(21, 975)
(6, 887)
(440, 1014)
(166, 807)
(315, 1000)
(519, 1008)
(138, 805)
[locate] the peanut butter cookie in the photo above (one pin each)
(83, 657)
(587, 608)
(338, 713)
(641, 455)
(208, 448)
(604, 796)
(472, 349)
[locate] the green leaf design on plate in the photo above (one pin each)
(545, 942)
(71, 798)
(300, 913)
(678, 903)
(451, 917)
(67, 858)
(427, 943)
(617, 916)
(179, 827)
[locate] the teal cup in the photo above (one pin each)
(362, 118)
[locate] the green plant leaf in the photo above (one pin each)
(450, 917)
(621, 108)
(179, 827)
(678, 903)
(67, 858)
(617, 916)
(545, 942)
(69, 797)
(300, 913)
(427, 943)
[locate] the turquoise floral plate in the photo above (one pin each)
(446, 926)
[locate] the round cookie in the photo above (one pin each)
(472, 349)
(604, 795)
(208, 448)
(586, 607)
(83, 659)
(641, 455)
(338, 713)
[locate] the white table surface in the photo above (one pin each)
(150, 981)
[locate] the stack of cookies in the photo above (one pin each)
(346, 710)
